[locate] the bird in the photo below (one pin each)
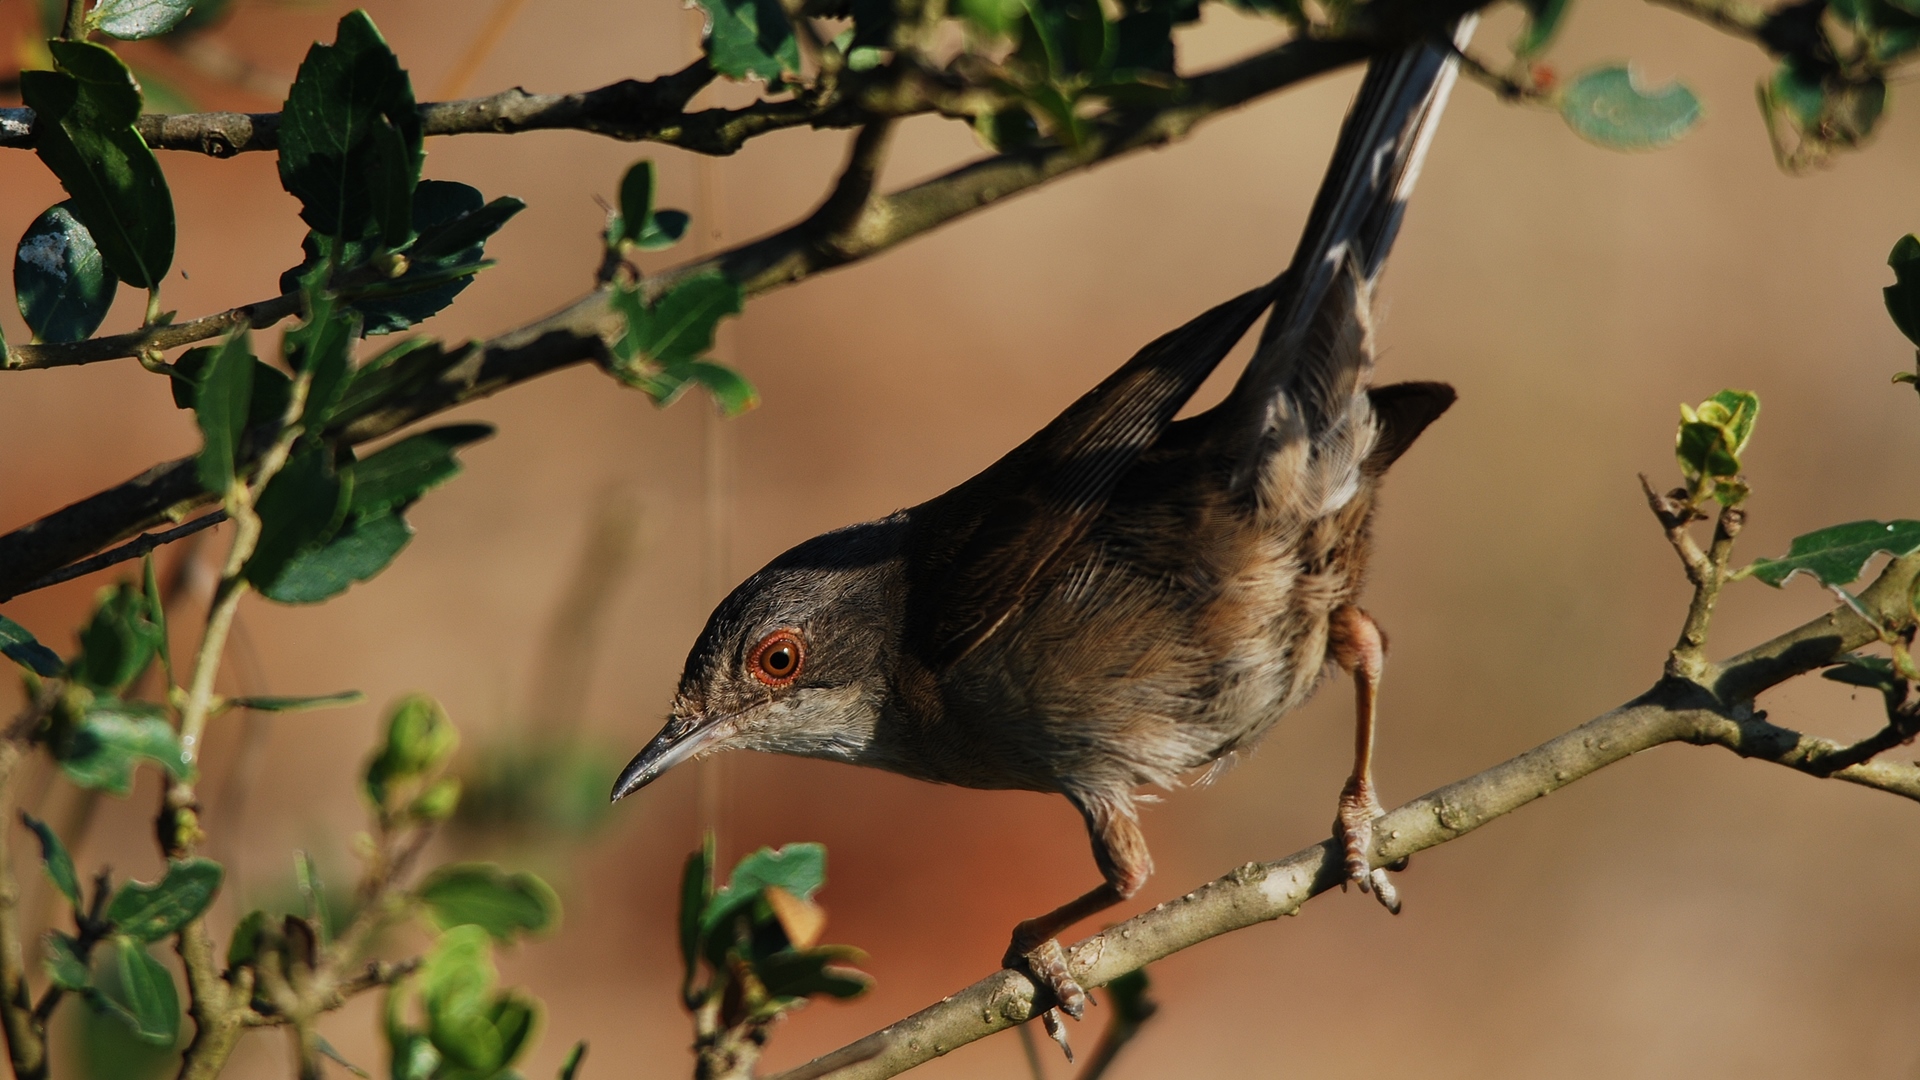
(1126, 597)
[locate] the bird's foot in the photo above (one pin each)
(1047, 962)
(1359, 806)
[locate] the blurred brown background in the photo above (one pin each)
(1683, 914)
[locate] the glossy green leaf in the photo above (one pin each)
(803, 973)
(63, 965)
(419, 739)
(570, 1068)
(299, 704)
(119, 640)
(348, 128)
(397, 474)
(53, 855)
(410, 364)
(131, 20)
(151, 912)
(222, 404)
(60, 281)
(244, 945)
(750, 39)
(303, 505)
(1836, 555)
(111, 739)
(1903, 296)
(85, 110)
(1608, 107)
(800, 869)
(24, 649)
(145, 997)
(483, 895)
(1543, 22)
(360, 550)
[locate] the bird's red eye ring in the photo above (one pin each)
(776, 660)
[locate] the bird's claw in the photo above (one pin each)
(1048, 963)
(1354, 829)
(1057, 1031)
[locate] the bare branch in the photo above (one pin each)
(1675, 710)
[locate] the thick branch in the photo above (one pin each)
(1675, 710)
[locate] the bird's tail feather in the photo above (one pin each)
(1347, 237)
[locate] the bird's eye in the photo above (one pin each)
(776, 660)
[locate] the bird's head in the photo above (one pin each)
(796, 661)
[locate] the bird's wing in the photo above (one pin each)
(980, 549)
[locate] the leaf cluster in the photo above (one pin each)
(124, 980)
(756, 938)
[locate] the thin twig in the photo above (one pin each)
(127, 552)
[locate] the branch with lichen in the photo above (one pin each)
(1713, 705)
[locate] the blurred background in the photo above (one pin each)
(1686, 913)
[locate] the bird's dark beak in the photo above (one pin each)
(681, 739)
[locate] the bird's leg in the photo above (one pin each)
(1122, 855)
(1359, 646)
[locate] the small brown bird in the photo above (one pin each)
(1124, 597)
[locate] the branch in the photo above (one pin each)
(1674, 710)
(169, 491)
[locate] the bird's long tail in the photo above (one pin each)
(1298, 367)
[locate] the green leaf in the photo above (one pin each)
(1871, 672)
(244, 945)
(657, 351)
(638, 223)
(349, 123)
(131, 20)
(1607, 107)
(102, 749)
(570, 1068)
(363, 548)
(750, 39)
(419, 739)
(800, 869)
(146, 998)
(83, 131)
(63, 965)
(456, 984)
(299, 704)
(24, 649)
(696, 895)
(1903, 296)
(394, 476)
(60, 282)
(157, 613)
(303, 505)
(222, 403)
(483, 895)
(1543, 21)
(53, 854)
(802, 973)
(151, 912)
(454, 222)
(118, 641)
(1813, 109)
(1836, 555)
